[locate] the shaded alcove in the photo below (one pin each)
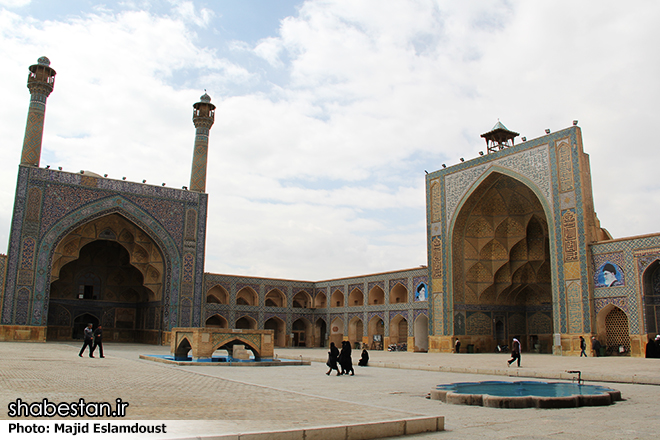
(501, 272)
(103, 282)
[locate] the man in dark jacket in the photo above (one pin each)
(98, 340)
(88, 340)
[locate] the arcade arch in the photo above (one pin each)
(320, 333)
(279, 330)
(246, 297)
(302, 300)
(355, 330)
(336, 331)
(320, 300)
(612, 326)
(398, 330)
(216, 321)
(376, 332)
(355, 298)
(651, 298)
(337, 299)
(217, 295)
(275, 298)
(246, 322)
(398, 294)
(302, 332)
(376, 296)
(421, 333)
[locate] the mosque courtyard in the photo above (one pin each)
(222, 402)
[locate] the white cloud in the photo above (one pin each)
(316, 166)
(14, 3)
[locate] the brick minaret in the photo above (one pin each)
(40, 82)
(203, 118)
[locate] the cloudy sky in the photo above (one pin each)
(330, 111)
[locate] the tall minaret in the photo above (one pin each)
(40, 82)
(203, 118)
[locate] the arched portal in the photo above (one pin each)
(336, 331)
(279, 330)
(613, 322)
(113, 270)
(302, 332)
(398, 330)
(501, 259)
(355, 330)
(320, 333)
(376, 332)
(421, 333)
(651, 298)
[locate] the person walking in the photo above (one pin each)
(595, 346)
(88, 340)
(98, 340)
(333, 355)
(515, 352)
(345, 361)
(457, 345)
(583, 347)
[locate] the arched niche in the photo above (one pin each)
(302, 300)
(320, 302)
(275, 298)
(246, 322)
(337, 299)
(217, 295)
(398, 294)
(355, 298)
(246, 297)
(376, 296)
(216, 321)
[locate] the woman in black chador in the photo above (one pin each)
(364, 360)
(333, 355)
(345, 361)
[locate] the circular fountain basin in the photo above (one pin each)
(525, 394)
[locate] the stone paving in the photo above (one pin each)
(213, 400)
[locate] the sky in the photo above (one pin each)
(329, 112)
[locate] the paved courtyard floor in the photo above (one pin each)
(206, 401)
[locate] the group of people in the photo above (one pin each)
(342, 361)
(653, 347)
(92, 339)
